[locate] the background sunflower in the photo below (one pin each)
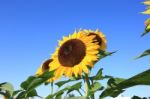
(99, 37)
(45, 67)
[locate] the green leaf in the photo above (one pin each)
(145, 53)
(21, 95)
(76, 86)
(59, 96)
(26, 83)
(26, 95)
(79, 97)
(51, 96)
(61, 83)
(69, 88)
(112, 82)
(140, 79)
(111, 92)
(8, 87)
(32, 93)
(137, 97)
(95, 87)
(103, 54)
(16, 92)
(34, 81)
(99, 74)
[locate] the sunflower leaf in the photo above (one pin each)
(99, 74)
(112, 82)
(60, 92)
(32, 93)
(34, 81)
(95, 87)
(76, 86)
(78, 97)
(61, 83)
(16, 92)
(59, 95)
(21, 95)
(145, 53)
(40, 80)
(26, 83)
(103, 54)
(117, 88)
(25, 94)
(69, 88)
(137, 97)
(8, 87)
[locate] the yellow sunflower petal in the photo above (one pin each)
(146, 12)
(76, 70)
(146, 2)
(39, 71)
(74, 35)
(54, 65)
(85, 69)
(68, 72)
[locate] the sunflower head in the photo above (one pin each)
(44, 67)
(74, 54)
(147, 11)
(99, 38)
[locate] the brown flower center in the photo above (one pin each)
(97, 38)
(45, 65)
(71, 52)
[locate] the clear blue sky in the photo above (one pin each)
(29, 30)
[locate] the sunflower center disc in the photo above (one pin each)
(71, 52)
(97, 38)
(45, 65)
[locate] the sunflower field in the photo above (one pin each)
(74, 58)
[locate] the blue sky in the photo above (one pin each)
(30, 29)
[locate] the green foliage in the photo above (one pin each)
(145, 53)
(96, 86)
(79, 97)
(115, 85)
(6, 89)
(140, 79)
(76, 86)
(34, 81)
(98, 75)
(61, 83)
(103, 54)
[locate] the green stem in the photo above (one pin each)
(79, 92)
(88, 86)
(52, 88)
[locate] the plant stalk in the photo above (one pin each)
(87, 87)
(52, 88)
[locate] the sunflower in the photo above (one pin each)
(45, 67)
(99, 37)
(147, 2)
(74, 54)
